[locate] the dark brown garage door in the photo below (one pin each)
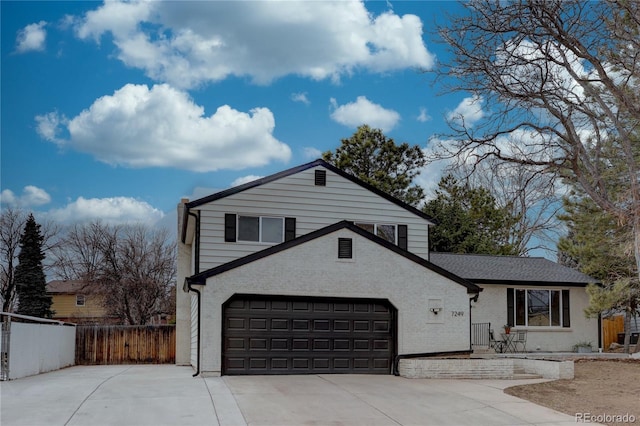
(284, 335)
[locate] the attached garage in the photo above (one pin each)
(307, 335)
(300, 307)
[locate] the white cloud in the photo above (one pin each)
(163, 127)
(363, 111)
(423, 116)
(191, 43)
(31, 37)
(311, 153)
(468, 112)
(114, 210)
(245, 179)
(300, 97)
(32, 196)
(49, 126)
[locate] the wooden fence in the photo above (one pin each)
(610, 328)
(118, 344)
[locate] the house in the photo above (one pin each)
(73, 301)
(528, 293)
(311, 270)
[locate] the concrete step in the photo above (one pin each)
(525, 376)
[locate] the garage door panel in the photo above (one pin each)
(279, 324)
(268, 335)
(258, 324)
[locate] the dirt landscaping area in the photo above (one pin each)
(610, 389)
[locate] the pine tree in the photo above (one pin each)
(376, 159)
(469, 220)
(29, 274)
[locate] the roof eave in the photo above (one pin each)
(531, 283)
(201, 278)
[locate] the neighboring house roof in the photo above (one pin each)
(298, 169)
(487, 269)
(66, 286)
(201, 278)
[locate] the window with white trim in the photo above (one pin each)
(386, 231)
(539, 307)
(80, 300)
(261, 229)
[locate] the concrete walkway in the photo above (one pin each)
(168, 395)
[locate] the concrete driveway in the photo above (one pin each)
(168, 395)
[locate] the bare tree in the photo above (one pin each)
(562, 82)
(132, 268)
(11, 225)
(533, 198)
(79, 256)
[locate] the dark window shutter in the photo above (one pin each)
(230, 228)
(402, 237)
(566, 317)
(321, 178)
(345, 248)
(510, 307)
(289, 228)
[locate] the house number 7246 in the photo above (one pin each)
(457, 313)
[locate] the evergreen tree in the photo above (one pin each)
(29, 274)
(375, 159)
(600, 246)
(469, 220)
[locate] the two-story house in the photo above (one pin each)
(74, 301)
(311, 270)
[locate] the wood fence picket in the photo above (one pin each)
(119, 344)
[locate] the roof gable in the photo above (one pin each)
(298, 169)
(66, 286)
(200, 279)
(488, 269)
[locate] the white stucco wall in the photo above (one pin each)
(492, 307)
(38, 348)
(183, 300)
(313, 269)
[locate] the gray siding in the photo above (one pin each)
(314, 207)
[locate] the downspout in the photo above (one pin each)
(196, 265)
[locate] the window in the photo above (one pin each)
(258, 228)
(80, 300)
(261, 229)
(538, 307)
(387, 232)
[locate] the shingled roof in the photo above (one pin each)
(66, 286)
(486, 269)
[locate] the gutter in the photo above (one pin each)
(189, 285)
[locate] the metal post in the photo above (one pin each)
(4, 347)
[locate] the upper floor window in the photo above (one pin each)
(261, 229)
(385, 231)
(80, 300)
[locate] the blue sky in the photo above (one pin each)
(119, 110)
